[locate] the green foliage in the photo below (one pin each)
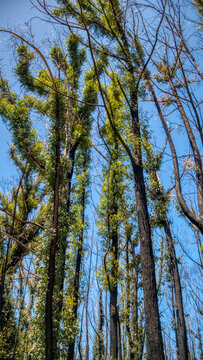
(8, 335)
(70, 124)
(166, 72)
(199, 6)
(22, 70)
(59, 58)
(59, 163)
(159, 198)
(16, 114)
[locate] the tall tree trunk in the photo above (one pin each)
(113, 242)
(107, 326)
(63, 243)
(182, 332)
(5, 262)
(53, 246)
(78, 260)
(152, 320)
(174, 316)
(128, 330)
(154, 340)
(113, 302)
(71, 158)
(2, 287)
(21, 301)
(136, 344)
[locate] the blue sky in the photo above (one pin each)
(19, 16)
(13, 15)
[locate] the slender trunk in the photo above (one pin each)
(190, 54)
(71, 158)
(5, 262)
(21, 300)
(188, 213)
(154, 340)
(107, 325)
(152, 320)
(78, 262)
(2, 287)
(86, 311)
(182, 332)
(113, 325)
(87, 332)
(61, 253)
(113, 285)
(119, 337)
(174, 316)
(197, 157)
(136, 344)
(113, 301)
(99, 336)
(186, 82)
(80, 354)
(130, 343)
(142, 345)
(53, 246)
(153, 327)
(29, 325)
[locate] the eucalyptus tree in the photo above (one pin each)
(58, 99)
(110, 217)
(131, 59)
(25, 197)
(108, 20)
(160, 218)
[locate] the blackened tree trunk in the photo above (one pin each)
(154, 340)
(113, 195)
(152, 320)
(136, 339)
(182, 331)
(76, 285)
(113, 301)
(128, 330)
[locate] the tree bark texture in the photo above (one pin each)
(152, 320)
(182, 332)
(154, 340)
(78, 262)
(53, 247)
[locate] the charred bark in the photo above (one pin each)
(113, 304)
(181, 326)
(76, 284)
(154, 340)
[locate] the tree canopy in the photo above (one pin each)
(101, 230)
